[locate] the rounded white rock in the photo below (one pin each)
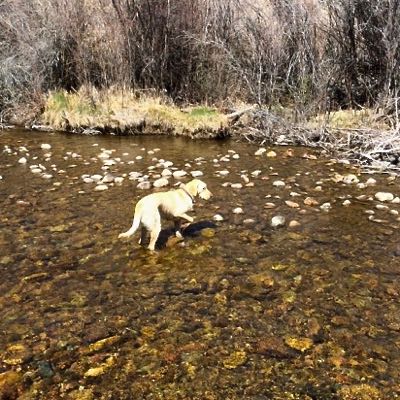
(384, 196)
(144, 185)
(161, 182)
(179, 174)
(326, 206)
(101, 187)
(279, 184)
(278, 220)
(260, 151)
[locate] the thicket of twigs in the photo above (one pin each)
(313, 55)
(375, 150)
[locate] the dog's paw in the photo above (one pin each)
(178, 235)
(122, 235)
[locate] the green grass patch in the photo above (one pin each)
(123, 109)
(202, 112)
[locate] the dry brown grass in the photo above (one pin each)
(365, 118)
(124, 109)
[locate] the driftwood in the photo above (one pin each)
(234, 116)
(371, 149)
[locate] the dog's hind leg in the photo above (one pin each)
(154, 236)
(185, 216)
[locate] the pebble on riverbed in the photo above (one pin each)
(278, 220)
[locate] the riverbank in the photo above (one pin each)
(361, 137)
(128, 112)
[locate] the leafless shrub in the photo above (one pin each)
(312, 55)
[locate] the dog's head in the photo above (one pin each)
(196, 187)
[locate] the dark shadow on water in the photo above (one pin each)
(190, 231)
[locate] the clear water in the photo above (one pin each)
(238, 310)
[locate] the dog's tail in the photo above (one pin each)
(135, 223)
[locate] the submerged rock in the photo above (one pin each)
(208, 232)
(300, 344)
(273, 347)
(359, 392)
(81, 394)
(100, 369)
(17, 354)
(9, 383)
(236, 359)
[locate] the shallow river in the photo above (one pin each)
(237, 310)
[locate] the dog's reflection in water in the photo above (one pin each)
(167, 236)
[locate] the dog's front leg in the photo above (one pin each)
(185, 216)
(177, 226)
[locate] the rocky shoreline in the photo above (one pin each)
(372, 149)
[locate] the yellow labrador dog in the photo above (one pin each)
(173, 204)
